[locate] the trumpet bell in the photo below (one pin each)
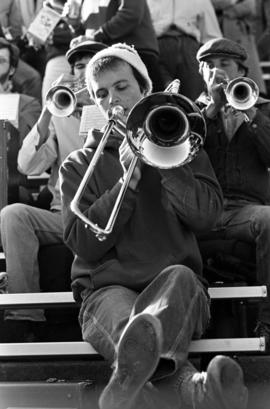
(242, 93)
(61, 101)
(165, 130)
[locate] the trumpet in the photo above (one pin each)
(242, 93)
(61, 99)
(164, 129)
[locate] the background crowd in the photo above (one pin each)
(167, 36)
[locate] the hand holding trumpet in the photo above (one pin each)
(240, 93)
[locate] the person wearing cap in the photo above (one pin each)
(141, 293)
(24, 228)
(238, 146)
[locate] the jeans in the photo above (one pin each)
(250, 222)
(23, 230)
(176, 297)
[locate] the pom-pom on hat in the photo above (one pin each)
(219, 47)
(123, 52)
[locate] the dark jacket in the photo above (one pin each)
(124, 21)
(155, 225)
(241, 165)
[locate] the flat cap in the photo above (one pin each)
(83, 44)
(218, 47)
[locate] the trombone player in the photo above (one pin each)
(239, 151)
(141, 291)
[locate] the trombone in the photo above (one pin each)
(164, 130)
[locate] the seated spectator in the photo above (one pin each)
(141, 293)
(240, 154)
(128, 22)
(26, 80)
(181, 27)
(25, 228)
(10, 18)
(28, 112)
(34, 56)
(263, 37)
(237, 19)
(29, 107)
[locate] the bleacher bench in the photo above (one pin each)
(64, 349)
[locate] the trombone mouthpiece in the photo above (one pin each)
(118, 111)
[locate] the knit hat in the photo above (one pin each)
(83, 44)
(219, 47)
(123, 52)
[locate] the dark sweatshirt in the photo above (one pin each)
(155, 227)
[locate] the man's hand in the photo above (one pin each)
(216, 84)
(126, 155)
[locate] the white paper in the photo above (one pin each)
(44, 23)
(91, 118)
(9, 108)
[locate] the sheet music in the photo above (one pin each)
(9, 108)
(91, 118)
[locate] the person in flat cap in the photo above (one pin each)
(140, 288)
(238, 144)
(24, 227)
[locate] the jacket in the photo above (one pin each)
(121, 21)
(241, 165)
(156, 224)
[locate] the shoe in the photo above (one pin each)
(263, 330)
(220, 387)
(138, 355)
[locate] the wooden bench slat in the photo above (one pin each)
(61, 349)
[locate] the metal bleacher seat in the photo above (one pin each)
(58, 300)
(65, 299)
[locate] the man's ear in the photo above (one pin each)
(11, 72)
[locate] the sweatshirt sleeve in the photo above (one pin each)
(96, 204)
(193, 192)
(32, 161)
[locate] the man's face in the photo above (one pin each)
(116, 86)
(4, 65)
(228, 67)
(80, 67)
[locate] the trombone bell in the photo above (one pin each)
(242, 93)
(165, 130)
